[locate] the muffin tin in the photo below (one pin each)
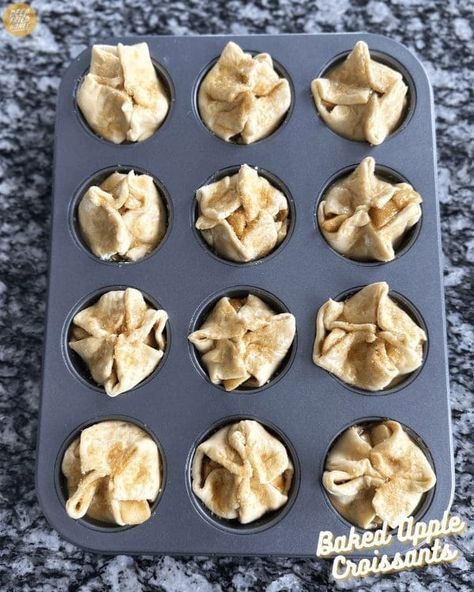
(178, 405)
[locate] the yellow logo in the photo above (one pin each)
(19, 19)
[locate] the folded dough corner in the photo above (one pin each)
(368, 341)
(242, 472)
(242, 217)
(377, 474)
(120, 338)
(243, 342)
(121, 97)
(113, 471)
(365, 217)
(242, 98)
(123, 219)
(361, 98)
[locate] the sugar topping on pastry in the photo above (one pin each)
(361, 98)
(376, 473)
(120, 338)
(242, 472)
(124, 218)
(243, 341)
(242, 216)
(121, 97)
(368, 341)
(242, 98)
(113, 471)
(365, 217)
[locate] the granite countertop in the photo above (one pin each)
(32, 555)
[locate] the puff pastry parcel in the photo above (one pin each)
(361, 98)
(368, 341)
(120, 338)
(121, 97)
(377, 474)
(242, 217)
(364, 217)
(124, 218)
(243, 341)
(242, 98)
(113, 471)
(242, 472)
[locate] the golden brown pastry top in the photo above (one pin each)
(365, 217)
(242, 98)
(243, 341)
(121, 97)
(368, 341)
(124, 218)
(242, 217)
(120, 338)
(113, 471)
(242, 472)
(361, 98)
(376, 473)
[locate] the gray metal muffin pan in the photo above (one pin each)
(304, 405)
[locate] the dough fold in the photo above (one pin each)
(242, 472)
(361, 98)
(242, 217)
(121, 97)
(243, 342)
(113, 471)
(120, 338)
(124, 218)
(377, 474)
(368, 341)
(364, 217)
(242, 98)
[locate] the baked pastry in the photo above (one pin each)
(243, 341)
(361, 98)
(368, 341)
(120, 338)
(242, 98)
(242, 472)
(242, 217)
(113, 471)
(364, 217)
(375, 474)
(124, 218)
(121, 97)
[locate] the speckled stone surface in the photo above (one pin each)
(32, 556)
